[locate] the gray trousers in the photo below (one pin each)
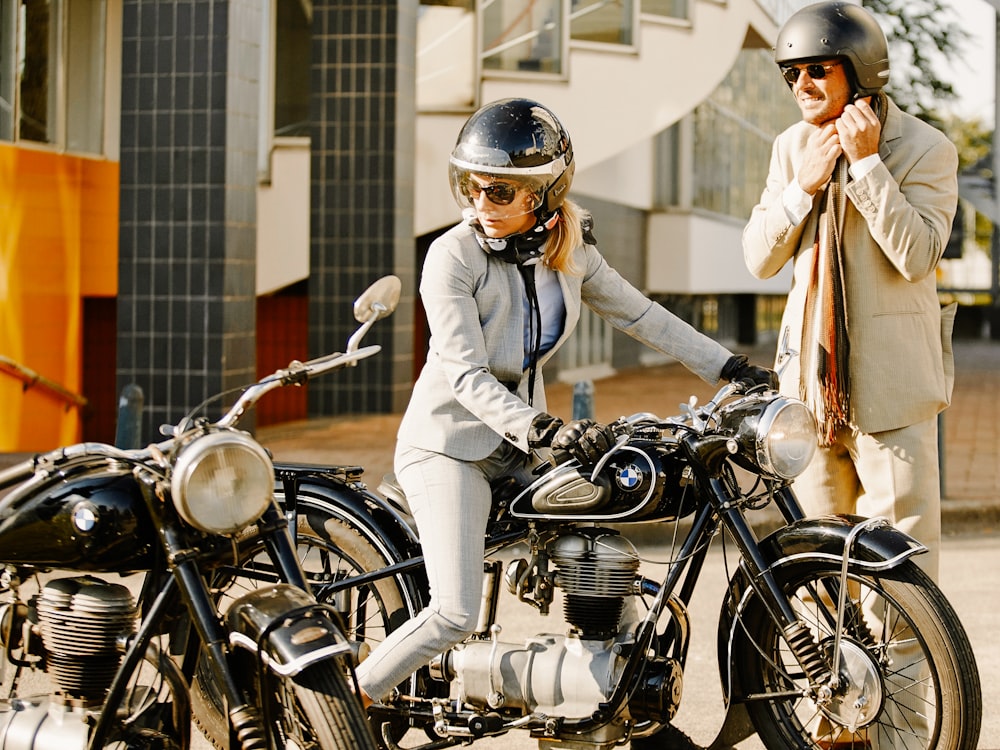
(450, 501)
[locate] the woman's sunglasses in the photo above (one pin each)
(500, 193)
(815, 71)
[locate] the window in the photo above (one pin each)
(523, 36)
(52, 72)
(666, 8)
(292, 50)
(603, 21)
(7, 68)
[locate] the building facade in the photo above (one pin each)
(192, 192)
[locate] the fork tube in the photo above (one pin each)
(761, 577)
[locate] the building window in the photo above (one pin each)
(729, 138)
(292, 52)
(603, 21)
(666, 8)
(52, 72)
(523, 36)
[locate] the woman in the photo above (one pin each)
(502, 291)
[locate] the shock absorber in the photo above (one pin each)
(806, 651)
(249, 727)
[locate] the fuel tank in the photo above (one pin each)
(96, 521)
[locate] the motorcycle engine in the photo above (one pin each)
(595, 568)
(81, 622)
(565, 675)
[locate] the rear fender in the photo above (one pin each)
(345, 497)
(286, 629)
(325, 493)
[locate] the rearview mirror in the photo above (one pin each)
(379, 300)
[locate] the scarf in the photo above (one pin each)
(826, 346)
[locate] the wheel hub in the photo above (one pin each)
(858, 701)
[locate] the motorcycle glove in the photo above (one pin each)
(583, 439)
(739, 369)
(543, 430)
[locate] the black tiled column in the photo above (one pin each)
(363, 116)
(186, 309)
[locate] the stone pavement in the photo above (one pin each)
(970, 435)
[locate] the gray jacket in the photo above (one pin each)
(472, 392)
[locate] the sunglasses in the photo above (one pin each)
(816, 71)
(500, 193)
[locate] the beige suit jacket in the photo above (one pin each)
(471, 393)
(894, 231)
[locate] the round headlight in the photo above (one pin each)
(222, 482)
(786, 438)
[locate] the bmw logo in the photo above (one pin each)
(85, 517)
(629, 477)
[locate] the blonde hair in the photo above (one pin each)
(565, 238)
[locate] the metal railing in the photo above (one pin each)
(32, 379)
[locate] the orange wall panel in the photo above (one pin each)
(58, 243)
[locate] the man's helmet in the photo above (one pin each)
(837, 29)
(515, 139)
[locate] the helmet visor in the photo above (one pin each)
(522, 194)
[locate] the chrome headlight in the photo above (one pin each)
(222, 482)
(786, 438)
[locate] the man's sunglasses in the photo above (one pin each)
(500, 193)
(815, 71)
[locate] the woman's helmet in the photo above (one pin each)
(837, 29)
(519, 140)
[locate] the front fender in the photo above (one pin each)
(285, 628)
(876, 546)
(825, 538)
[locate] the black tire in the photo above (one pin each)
(315, 709)
(909, 643)
(329, 549)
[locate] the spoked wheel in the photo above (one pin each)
(908, 678)
(329, 550)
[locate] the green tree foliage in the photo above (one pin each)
(921, 34)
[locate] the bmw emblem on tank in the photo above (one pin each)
(629, 477)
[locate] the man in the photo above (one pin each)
(860, 199)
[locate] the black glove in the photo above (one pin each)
(739, 369)
(582, 439)
(543, 430)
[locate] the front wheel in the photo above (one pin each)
(908, 677)
(315, 709)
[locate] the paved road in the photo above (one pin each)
(970, 577)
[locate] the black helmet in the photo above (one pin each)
(517, 139)
(837, 29)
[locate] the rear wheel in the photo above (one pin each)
(908, 675)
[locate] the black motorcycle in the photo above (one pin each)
(118, 622)
(829, 635)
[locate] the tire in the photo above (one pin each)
(329, 549)
(315, 709)
(906, 640)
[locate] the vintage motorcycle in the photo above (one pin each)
(130, 658)
(829, 634)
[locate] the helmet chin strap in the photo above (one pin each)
(522, 249)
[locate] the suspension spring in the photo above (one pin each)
(806, 651)
(249, 728)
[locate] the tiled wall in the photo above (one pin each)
(186, 301)
(362, 194)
